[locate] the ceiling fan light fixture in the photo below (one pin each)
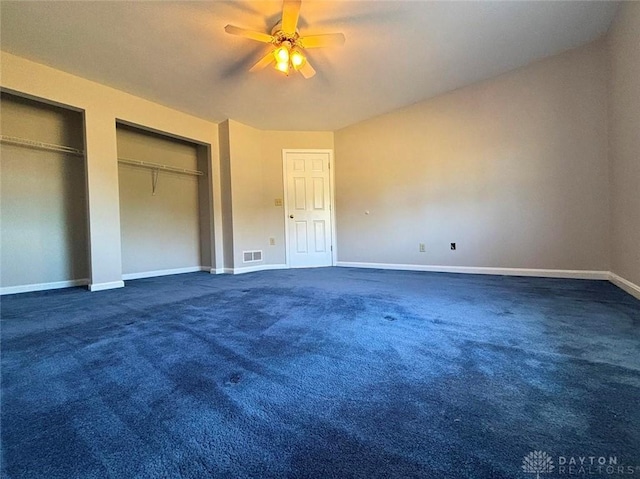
(297, 59)
(283, 67)
(282, 53)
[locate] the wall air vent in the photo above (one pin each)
(251, 256)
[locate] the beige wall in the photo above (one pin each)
(151, 225)
(102, 106)
(43, 225)
(514, 170)
(225, 183)
(255, 172)
(248, 206)
(624, 135)
(205, 207)
(273, 142)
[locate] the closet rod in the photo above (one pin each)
(156, 166)
(13, 140)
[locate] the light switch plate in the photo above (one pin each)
(278, 201)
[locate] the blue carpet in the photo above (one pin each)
(326, 373)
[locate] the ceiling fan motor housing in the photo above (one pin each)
(281, 36)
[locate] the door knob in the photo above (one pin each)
(291, 216)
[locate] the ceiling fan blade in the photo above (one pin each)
(243, 32)
(325, 40)
(307, 70)
(264, 62)
(290, 13)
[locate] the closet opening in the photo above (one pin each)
(165, 211)
(43, 196)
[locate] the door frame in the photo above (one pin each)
(332, 206)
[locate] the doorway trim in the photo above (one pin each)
(285, 152)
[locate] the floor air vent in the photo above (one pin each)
(252, 256)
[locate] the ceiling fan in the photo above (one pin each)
(287, 46)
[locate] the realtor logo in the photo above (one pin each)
(537, 462)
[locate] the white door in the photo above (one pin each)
(308, 208)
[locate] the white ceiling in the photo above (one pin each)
(397, 52)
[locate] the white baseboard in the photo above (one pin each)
(27, 288)
(221, 271)
(164, 272)
(104, 286)
(542, 273)
(253, 269)
(625, 284)
(622, 283)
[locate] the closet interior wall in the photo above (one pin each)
(164, 229)
(43, 200)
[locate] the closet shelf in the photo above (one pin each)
(157, 166)
(39, 145)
